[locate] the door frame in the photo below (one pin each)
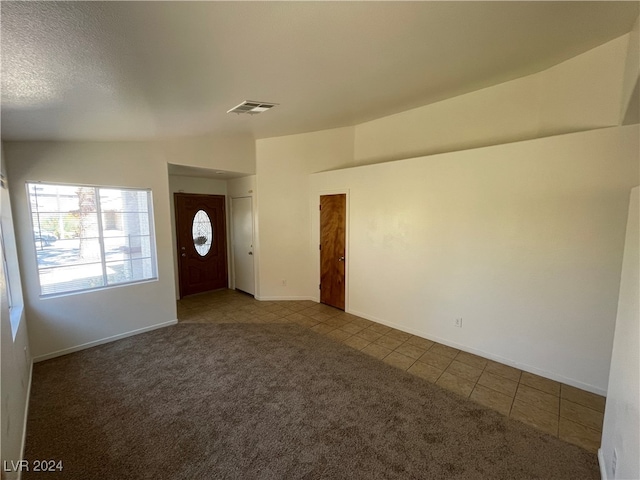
(315, 242)
(175, 234)
(232, 270)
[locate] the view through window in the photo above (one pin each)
(91, 237)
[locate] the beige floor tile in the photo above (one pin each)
(435, 360)
(369, 334)
(388, 342)
(499, 384)
(295, 306)
(331, 311)
(456, 384)
(492, 399)
(542, 400)
(308, 322)
(540, 383)
(586, 399)
(398, 335)
(426, 371)
(336, 322)
(398, 360)
(410, 350)
(444, 351)
(338, 335)
(377, 351)
(362, 322)
(268, 317)
(471, 359)
(349, 317)
(321, 317)
(356, 342)
(581, 414)
(379, 328)
(352, 328)
(297, 317)
(580, 435)
(280, 320)
(503, 370)
(420, 342)
(536, 417)
(463, 370)
(322, 328)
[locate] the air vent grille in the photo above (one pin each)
(252, 107)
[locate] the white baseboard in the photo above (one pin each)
(272, 299)
(491, 356)
(113, 338)
(603, 468)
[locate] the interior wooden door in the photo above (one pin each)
(333, 220)
(202, 245)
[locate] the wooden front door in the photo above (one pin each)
(201, 239)
(333, 221)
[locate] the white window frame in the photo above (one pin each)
(103, 262)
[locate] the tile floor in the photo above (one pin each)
(560, 410)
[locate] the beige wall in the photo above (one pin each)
(14, 349)
(523, 241)
(580, 94)
(283, 166)
(621, 430)
(62, 324)
(233, 153)
(632, 71)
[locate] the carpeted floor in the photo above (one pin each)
(239, 401)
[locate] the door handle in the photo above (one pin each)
(341, 259)
(183, 255)
(250, 253)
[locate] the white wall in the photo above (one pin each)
(182, 184)
(66, 323)
(523, 241)
(579, 94)
(246, 187)
(621, 430)
(283, 166)
(15, 356)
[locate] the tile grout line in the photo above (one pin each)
(201, 310)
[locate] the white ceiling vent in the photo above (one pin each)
(251, 107)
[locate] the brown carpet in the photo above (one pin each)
(238, 401)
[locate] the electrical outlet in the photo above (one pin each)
(458, 322)
(614, 462)
(284, 283)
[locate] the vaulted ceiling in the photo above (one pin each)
(143, 70)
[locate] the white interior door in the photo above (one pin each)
(242, 218)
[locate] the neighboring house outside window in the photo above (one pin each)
(88, 237)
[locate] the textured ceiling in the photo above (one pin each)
(139, 70)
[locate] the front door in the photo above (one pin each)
(333, 220)
(242, 219)
(201, 239)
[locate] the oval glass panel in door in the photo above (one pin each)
(202, 232)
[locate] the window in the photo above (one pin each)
(5, 271)
(91, 237)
